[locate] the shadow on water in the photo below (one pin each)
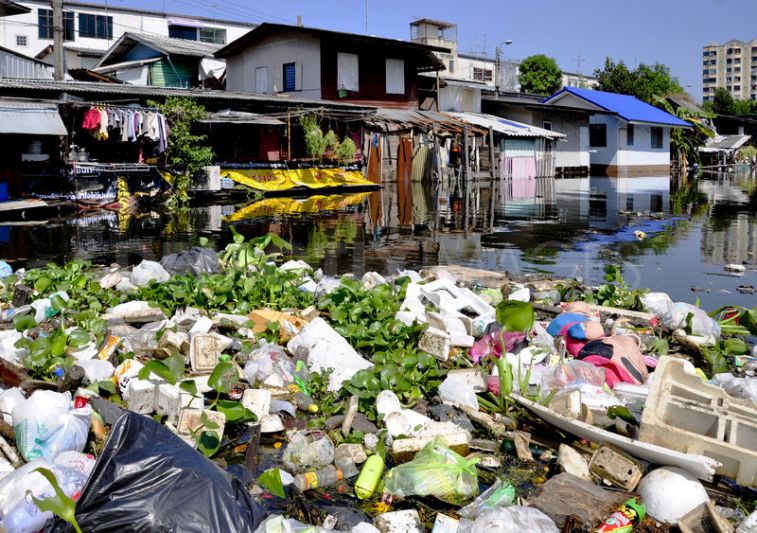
(570, 227)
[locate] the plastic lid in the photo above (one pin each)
(636, 505)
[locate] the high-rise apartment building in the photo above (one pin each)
(732, 66)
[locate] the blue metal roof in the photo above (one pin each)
(626, 107)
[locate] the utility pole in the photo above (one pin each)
(366, 17)
(579, 59)
(58, 38)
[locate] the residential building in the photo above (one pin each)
(731, 66)
(89, 28)
(627, 137)
(142, 59)
(329, 65)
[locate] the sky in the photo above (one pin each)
(578, 34)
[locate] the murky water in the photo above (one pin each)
(572, 227)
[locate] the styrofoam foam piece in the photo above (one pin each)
(325, 348)
(204, 351)
(687, 415)
(670, 493)
(436, 342)
(407, 521)
(699, 465)
(412, 308)
(141, 396)
(258, 401)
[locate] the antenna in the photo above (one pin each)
(366, 17)
(579, 59)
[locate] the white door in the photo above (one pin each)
(583, 146)
(261, 80)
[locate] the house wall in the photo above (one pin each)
(13, 66)
(460, 99)
(272, 53)
(607, 155)
(124, 20)
(620, 159)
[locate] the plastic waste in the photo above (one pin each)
(47, 424)
(8, 350)
(148, 479)
(624, 518)
(458, 391)
(345, 463)
(96, 369)
(514, 519)
(9, 398)
(669, 493)
(572, 374)
(308, 450)
(71, 470)
(675, 315)
(369, 478)
(148, 271)
(318, 479)
(745, 388)
(304, 402)
(500, 494)
(268, 359)
(5, 269)
(193, 261)
(435, 471)
(43, 308)
(279, 524)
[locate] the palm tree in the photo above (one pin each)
(685, 142)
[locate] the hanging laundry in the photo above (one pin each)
(91, 119)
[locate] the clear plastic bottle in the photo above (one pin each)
(318, 479)
(344, 462)
(304, 402)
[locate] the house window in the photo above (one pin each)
(656, 137)
(598, 135)
(45, 24)
(213, 35)
(630, 134)
(95, 26)
(395, 76)
(347, 72)
(482, 74)
(290, 77)
(20, 40)
(261, 80)
(451, 66)
(187, 33)
(547, 125)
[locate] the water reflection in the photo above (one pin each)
(571, 227)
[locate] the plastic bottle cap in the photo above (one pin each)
(640, 508)
(313, 408)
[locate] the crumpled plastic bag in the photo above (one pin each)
(267, 359)
(515, 519)
(148, 479)
(436, 471)
(571, 374)
(148, 271)
(279, 524)
(47, 424)
(308, 450)
(500, 494)
(674, 315)
(193, 261)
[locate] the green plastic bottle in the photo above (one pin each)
(369, 477)
(625, 518)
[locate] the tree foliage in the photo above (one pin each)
(684, 142)
(539, 74)
(644, 82)
(317, 143)
(725, 104)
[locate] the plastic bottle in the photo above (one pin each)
(624, 518)
(369, 478)
(318, 479)
(305, 402)
(344, 462)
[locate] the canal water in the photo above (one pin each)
(570, 227)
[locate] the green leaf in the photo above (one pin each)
(748, 319)
(175, 364)
(224, 377)
(735, 347)
(159, 369)
(189, 386)
(108, 386)
(279, 242)
(207, 422)
(78, 338)
(58, 343)
(42, 284)
(24, 322)
(79, 282)
(57, 302)
(208, 443)
(515, 316)
(618, 411)
(60, 504)
(235, 411)
(270, 480)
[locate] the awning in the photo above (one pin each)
(30, 118)
(226, 116)
(507, 127)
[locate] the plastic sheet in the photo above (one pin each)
(148, 479)
(193, 261)
(513, 519)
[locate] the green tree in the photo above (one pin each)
(539, 74)
(644, 82)
(722, 102)
(187, 152)
(686, 142)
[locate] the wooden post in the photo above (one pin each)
(289, 136)
(58, 36)
(491, 153)
(466, 155)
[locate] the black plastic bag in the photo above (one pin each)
(195, 261)
(148, 479)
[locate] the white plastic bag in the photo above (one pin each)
(674, 314)
(148, 271)
(46, 424)
(8, 400)
(8, 350)
(456, 390)
(513, 519)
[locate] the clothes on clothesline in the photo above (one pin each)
(127, 125)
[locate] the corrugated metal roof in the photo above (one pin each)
(95, 88)
(725, 143)
(626, 107)
(125, 65)
(30, 118)
(509, 128)
(227, 116)
(8, 8)
(165, 45)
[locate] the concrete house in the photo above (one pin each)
(627, 137)
(329, 65)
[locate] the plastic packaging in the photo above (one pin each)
(624, 518)
(674, 315)
(318, 479)
(46, 424)
(9, 398)
(148, 271)
(43, 308)
(279, 524)
(268, 359)
(369, 478)
(572, 374)
(500, 494)
(8, 350)
(458, 391)
(304, 402)
(193, 261)
(308, 450)
(514, 519)
(435, 471)
(148, 479)
(344, 462)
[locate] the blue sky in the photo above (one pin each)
(670, 31)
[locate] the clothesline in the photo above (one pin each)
(132, 107)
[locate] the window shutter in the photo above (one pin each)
(347, 76)
(278, 79)
(395, 76)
